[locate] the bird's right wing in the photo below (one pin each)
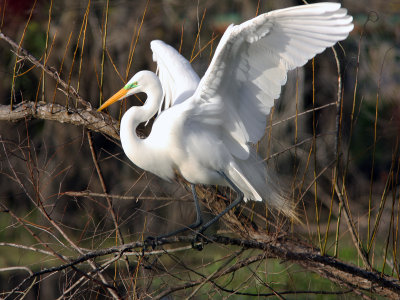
(251, 63)
(178, 79)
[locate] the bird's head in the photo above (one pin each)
(135, 85)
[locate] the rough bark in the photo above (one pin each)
(88, 118)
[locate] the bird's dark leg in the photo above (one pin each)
(237, 201)
(197, 223)
(199, 219)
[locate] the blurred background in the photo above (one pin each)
(96, 46)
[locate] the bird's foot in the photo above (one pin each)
(199, 240)
(151, 241)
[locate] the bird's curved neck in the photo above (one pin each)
(131, 143)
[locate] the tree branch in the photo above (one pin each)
(285, 248)
(88, 118)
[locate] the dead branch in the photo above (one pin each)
(285, 248)
(87, 118)
(135, 198)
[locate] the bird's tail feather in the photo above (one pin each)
(252, 178)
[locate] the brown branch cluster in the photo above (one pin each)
(284, 248)
(25, 55)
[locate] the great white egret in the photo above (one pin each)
(205, 130)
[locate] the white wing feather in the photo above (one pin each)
(178, 79)
(251, 63)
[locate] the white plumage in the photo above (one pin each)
(206, 127)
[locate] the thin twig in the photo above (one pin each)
(18, 48)
(337, 144)
(25, 55)
(109, 201)
(136, 198)
(352, 229)
(40, 206)
(103, 52)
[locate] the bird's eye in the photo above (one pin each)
(131, 85)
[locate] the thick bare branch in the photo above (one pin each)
(284, 248)
(88, 118)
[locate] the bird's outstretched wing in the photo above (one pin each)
(178, 79)
(251, 63)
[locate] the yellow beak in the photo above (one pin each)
(117, 96)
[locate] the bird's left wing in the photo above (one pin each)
(251, 63)
(178, 79)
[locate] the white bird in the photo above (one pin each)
(207, 127)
